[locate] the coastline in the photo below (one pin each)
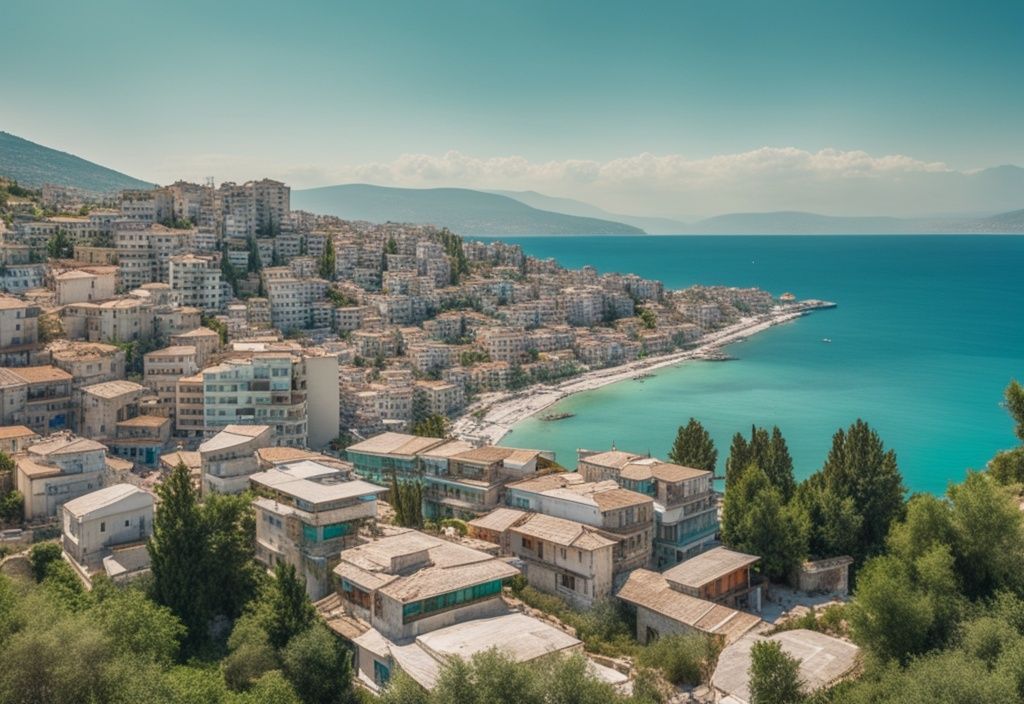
(505, 409)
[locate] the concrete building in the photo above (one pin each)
(39, 397)
(662, 610)
(161, 370)
(564, 558)
(141, 440)
(684, 500)
(88, 362)
(411, 583)
(196, 281)
(106, 404)
(440, 397)
(306, 514)
(268, 388)
(621, 515)
(719, 575)
(824, 661)
(205, 340)
(96, 523)
(19, 334)
(294, 303)
(78, 286)
(229, 457)
(57, 470)
(496, 526)
(16, 438)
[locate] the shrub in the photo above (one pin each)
(681, 659)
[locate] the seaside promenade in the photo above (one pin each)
(501, 410)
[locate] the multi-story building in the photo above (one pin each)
(39, 397)
(98, 522)
(19, 336)
(440, 397)
(268, 388)
(563, 557)
(621, 515)
(196, 281)
(306, 514)
(205, 340)
(684, 499)
(15, 438)
(189, 415)
(88, 362)
(106, 404)
(229, 458)
(719, 575)
(57, 470)
(80, 286)
(296, 304)
(161, 370)
(144, 252)
(141, 439)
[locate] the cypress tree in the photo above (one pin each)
(177, 553)
(289, 609)
(693, 447)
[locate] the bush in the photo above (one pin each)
(40, 557)
(681, 659)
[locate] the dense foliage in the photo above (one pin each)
(693, 447)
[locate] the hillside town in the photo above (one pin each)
(315, 365)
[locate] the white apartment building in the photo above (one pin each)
(229, 457)
(196, 281)
(96, 523)
(57, 470)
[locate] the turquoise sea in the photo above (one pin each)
(928, 332)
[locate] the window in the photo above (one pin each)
(569, 582)
(127, 522)
(103, 527)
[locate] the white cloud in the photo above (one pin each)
(768, 178)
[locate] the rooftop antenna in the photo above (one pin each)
(209, 182)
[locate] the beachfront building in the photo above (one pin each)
(57, 470)
(624, 516)
(96, 523)
(685, 508)
(663, 610)
(306, 514)
(229, 457)
(565, 558)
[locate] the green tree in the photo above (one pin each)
(328, 260)
(774, 675)
(41, 556)
(755, 520)
(433, 426)
(59, 246)
(271, 688)
(319, 667)
(289, 611)
(250, 654)
(178, 557)
(229, 534)
(859, 467)
(403, 689)
(391, 247)
(138, 628)
(765, 450)
(255, 263)
(1014, 396)
(693, 447)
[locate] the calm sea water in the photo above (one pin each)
(928, 332)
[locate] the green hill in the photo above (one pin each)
(32, 164)
(463, 210)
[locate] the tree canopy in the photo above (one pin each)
(693, 447)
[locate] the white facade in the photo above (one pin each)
(95, 523)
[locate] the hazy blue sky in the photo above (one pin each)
(325, 91)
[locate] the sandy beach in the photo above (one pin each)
(503, 409)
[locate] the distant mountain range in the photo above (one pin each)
(33, 165)
(475, 212)
(462, 210)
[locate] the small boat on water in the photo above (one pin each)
(827, 340)
(557, 416)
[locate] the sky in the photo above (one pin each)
(677, 108)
